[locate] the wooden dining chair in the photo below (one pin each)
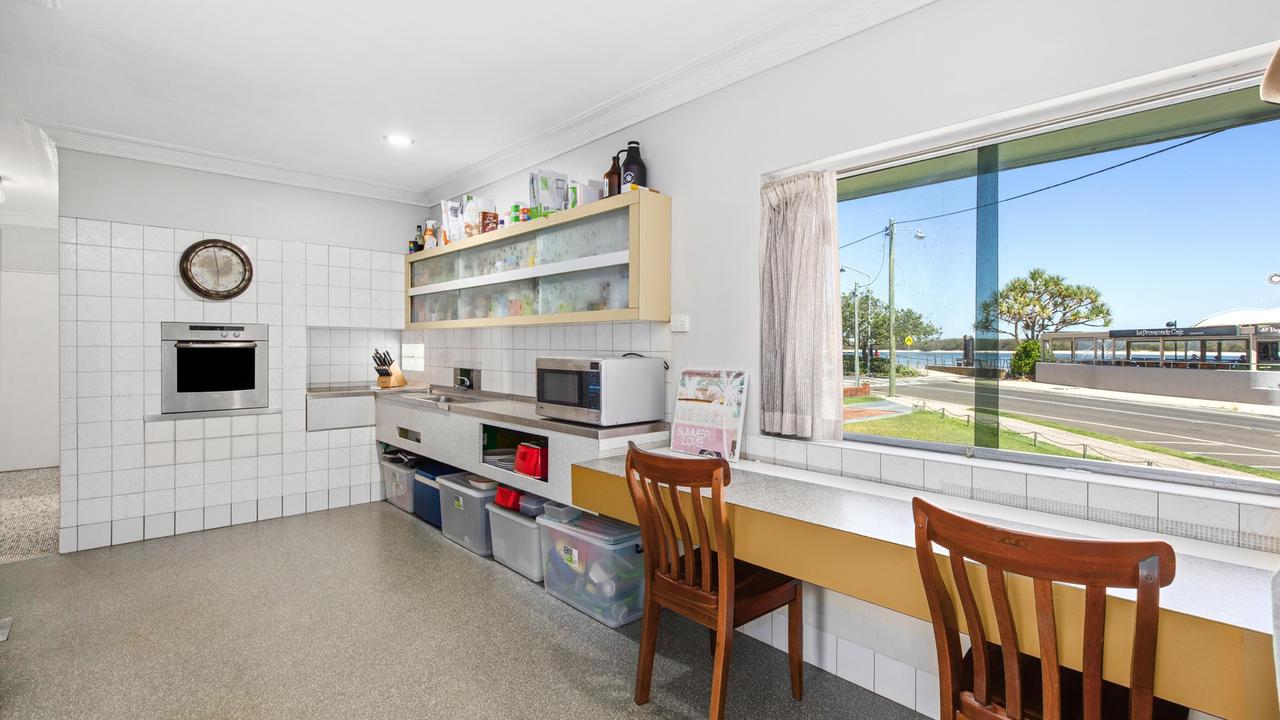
(690, 567)
(998, 681)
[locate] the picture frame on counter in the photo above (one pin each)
(709, 413)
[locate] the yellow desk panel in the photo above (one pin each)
(1203, 664)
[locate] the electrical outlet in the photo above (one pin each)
(679, 323)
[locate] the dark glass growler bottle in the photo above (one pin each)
(613, 178)
(633, 169)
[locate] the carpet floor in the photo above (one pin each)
(28, 513)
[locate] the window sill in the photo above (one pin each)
(1163, 502)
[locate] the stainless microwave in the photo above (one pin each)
(207, 366)
(602, 391)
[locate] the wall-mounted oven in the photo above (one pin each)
(207, 366)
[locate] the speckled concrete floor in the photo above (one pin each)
(361, 612)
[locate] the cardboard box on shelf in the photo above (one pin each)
(548, 191)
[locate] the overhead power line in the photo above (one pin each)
(1029, 193)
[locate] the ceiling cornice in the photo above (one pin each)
(131, 148)
(716, 70)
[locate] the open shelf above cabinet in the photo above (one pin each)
(609, 260)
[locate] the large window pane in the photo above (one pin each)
(1131, 256)
(909, 265)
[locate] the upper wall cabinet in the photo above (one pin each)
(610, 260)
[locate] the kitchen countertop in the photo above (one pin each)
(524, 413)
(358, 390)
(1226, 584)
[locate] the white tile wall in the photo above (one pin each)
(884, 651)
(506, 355)
(338, 356)
(1169, 508)
(124, 479)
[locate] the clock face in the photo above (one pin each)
(216, 269)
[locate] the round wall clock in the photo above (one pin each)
(216, 269)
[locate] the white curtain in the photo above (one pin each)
(800, 308)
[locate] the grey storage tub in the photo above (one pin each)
(463, 518)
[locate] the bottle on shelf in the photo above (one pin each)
(633, 168)
(416, 243)
(613, 178)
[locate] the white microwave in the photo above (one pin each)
(602, 391)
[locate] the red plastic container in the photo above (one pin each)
(531, 460)
(508, 498)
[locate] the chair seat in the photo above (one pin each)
(1115, 698)
(757, 591)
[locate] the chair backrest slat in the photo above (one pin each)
(1095, 625)
(704, 540)
(974, 622)
(1142, 676)
(1096, 564)
(666, 538)
(658, 485)
(687, 543)
(1008, 642)
(1047, 630)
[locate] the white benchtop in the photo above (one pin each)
(1222, 583)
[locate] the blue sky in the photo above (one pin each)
(1177, 236)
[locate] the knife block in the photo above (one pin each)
(394, 380)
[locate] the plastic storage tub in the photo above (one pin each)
(397, 484)
(594, 564)
(463, 518)
(531, 505)
(559, 511)
(517, 543)
(426, 492)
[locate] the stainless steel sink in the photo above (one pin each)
(441, 401)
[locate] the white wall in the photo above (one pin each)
(132, 191)
(28, 347)
(949, 62)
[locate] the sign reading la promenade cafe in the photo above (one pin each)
(1210, 330)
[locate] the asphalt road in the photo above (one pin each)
(1238, 437)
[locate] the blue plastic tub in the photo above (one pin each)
(426, 493)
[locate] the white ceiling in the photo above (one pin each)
(304, 91)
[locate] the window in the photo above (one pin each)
(1103, 292)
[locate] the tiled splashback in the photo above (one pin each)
(339, 356)
(506, 355)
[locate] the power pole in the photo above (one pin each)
(857, 348)
(891, 231)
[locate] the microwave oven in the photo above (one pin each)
(602, 391)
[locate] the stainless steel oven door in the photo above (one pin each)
(204, 375)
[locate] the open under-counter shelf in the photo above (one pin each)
(609, 260)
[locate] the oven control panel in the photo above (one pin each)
(212, 333)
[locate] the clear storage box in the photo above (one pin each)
(532, 505)
(397, 484)
(517, 543)
(463, 518)
(594, 564)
